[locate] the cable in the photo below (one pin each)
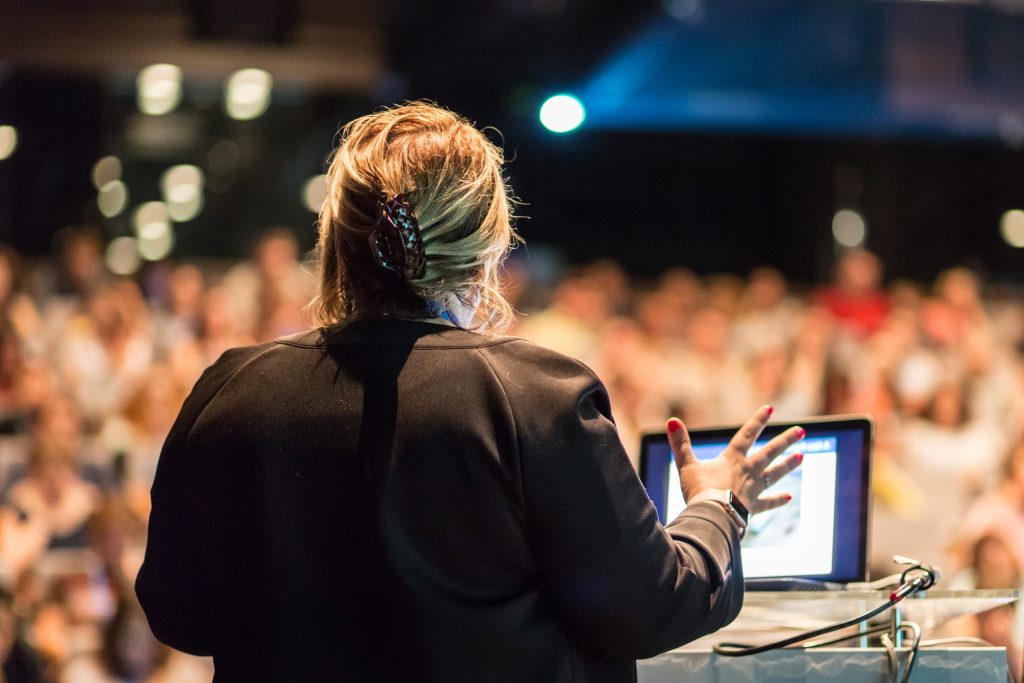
(912, 658)
(743, 650)
(852, 636)
(890, 656)
(918, 576)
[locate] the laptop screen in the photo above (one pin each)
(820, 534)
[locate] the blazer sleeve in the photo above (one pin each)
(625, 585)
(172, 584)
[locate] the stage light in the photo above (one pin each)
(122, 256)
(1012, 228)
(247, 94)
(106, 170)
(562, 113)
(8, 141)
(112, 198)
(314, 192)
(848, 228)
(158, 89)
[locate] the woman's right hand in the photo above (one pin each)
(732, 469)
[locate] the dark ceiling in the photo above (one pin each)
(722, 133)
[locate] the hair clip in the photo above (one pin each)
(395, 241)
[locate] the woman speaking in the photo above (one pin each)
(402, 494)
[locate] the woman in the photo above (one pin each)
(397, 496)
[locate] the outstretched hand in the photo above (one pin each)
(732, 469)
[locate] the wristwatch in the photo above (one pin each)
(736, 509)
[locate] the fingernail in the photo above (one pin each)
(800, 432)
(769, 410)
(788, 497)
(674, 426)
(799, 457)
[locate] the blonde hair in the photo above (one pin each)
(452, 176)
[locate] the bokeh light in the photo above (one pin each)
(848, 228)
(562, 113)
(314, 192)
(181, 183)
(158, 89)
(247, 94)
(8, 141)
(106, 170)
(156, 247)
(182, 188)
(151, 220)
(112, 198)
(122, 256)
(1011, 226)
(187, 210)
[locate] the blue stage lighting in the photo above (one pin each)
(562, 113)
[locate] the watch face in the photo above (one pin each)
(739, 507)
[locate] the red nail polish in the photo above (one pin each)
(788, 497)
(771, 409)
(674, 426)
(801, 432)
(799, 457)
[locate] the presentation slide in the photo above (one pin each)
(797, 538)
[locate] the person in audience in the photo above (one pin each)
(855, 298)
(51, 635)
(270, 292)
(131, 653)
(1000, 511)
(19, 316)
(573, 322)
(179, 319)
(993, 566)
(64, 292)
(19, 663)
(53, 493)
(106, 353)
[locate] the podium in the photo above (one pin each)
(771, 616)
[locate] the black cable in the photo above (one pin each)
(916, 577)
(912, 658)
(743, 650)
(852, 636)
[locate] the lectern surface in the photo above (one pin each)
(825, 665)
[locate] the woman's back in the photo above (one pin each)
(396, 497)
(407, 499)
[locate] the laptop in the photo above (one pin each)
(819, 540)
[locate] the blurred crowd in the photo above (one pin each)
(93, 369)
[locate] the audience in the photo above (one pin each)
(94, 367)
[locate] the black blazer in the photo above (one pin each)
(399, 500)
